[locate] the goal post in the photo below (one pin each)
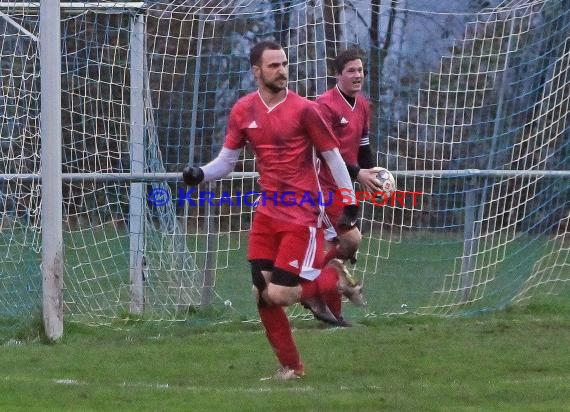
(52, 199)
(138, 162)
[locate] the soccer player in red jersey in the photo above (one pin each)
(347, 112)
(286, 241)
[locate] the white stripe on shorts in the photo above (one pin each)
(307, 270)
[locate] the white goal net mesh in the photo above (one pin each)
(469, 108)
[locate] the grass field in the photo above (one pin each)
(513, 360)
(485, 357)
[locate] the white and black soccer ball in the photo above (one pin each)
(387, 181)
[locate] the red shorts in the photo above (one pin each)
(293, 248)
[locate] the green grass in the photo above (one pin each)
(513, 360)
(483, 359)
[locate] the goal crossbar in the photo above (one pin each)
(74, 5)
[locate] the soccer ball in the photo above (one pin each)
(387, 181)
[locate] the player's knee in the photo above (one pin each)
(284, 289)
(348, 243)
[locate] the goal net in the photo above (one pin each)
(469, 110)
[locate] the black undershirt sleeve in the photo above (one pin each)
(364, 161)
(365, 157)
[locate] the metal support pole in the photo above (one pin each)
(50, 130)
(137, 149)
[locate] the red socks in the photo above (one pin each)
(276, 323)
(278, 332)
(309, 289)
(334, 299)
(324, 284)
(334, 302)
(327, 281)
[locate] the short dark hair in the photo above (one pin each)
(257, 51)
(344, 57)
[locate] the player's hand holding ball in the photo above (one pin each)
(377, 179)
(192, 175)
(386, 180)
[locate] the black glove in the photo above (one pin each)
(192, 175)
(348, 218)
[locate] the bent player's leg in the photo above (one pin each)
(334, 299)
(349, 287)
(286, 289)
(345, 247)
(339, 245)
(334, 303)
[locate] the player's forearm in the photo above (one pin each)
(222, 165)
(339, 172)
(364, 161)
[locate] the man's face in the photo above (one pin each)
(351, 78)
(272, 72)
